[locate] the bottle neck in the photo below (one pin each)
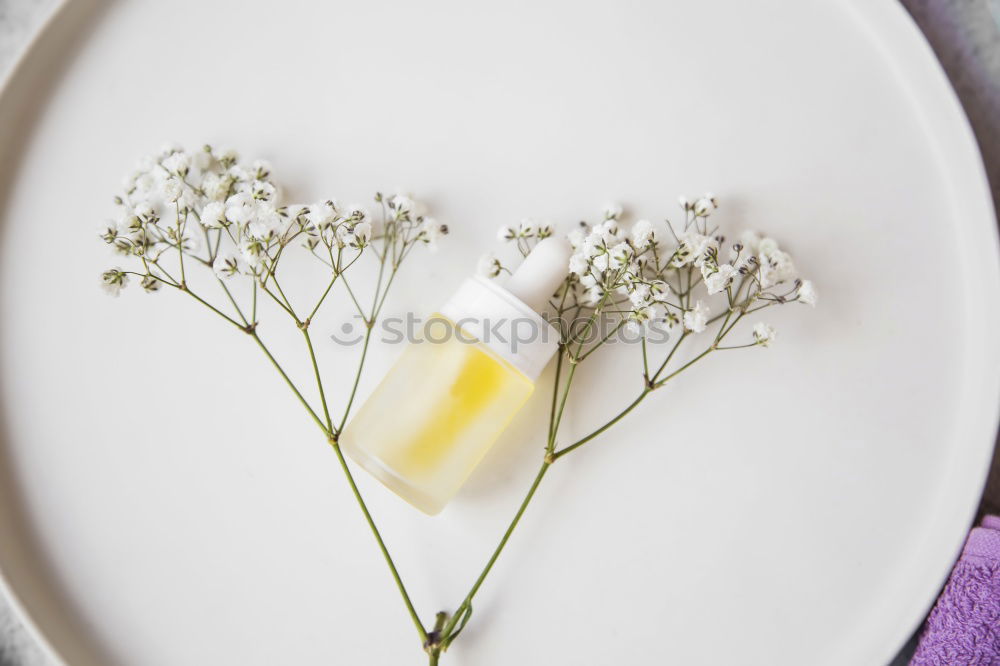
(503, 323)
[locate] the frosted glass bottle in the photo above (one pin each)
(449, 396)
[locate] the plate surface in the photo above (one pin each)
(165, 502)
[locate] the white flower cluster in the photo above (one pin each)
(651, 274)
(524, 233)
(655, 271)
(229, 215)
(523, 236)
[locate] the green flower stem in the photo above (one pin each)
(333, 434)
(253, 311)
(252, 331)
(357, 376)
(381, 302)
(332, 439)
(434, 645)
(607, 337)
(208, 245)
(277, 300)
(752, 344)
(180, 241)
(586, 329)
(357, 305)
(684, 367)
(319, 381)
(554, 429)
(232, 300)
(496, 553)
(288, 381)
(211, 307)
(322, 298)
(337, 272)
(645, 361)
(281, 291)
(550, 458)
(670, 355)
(461, 614)
(572, 447)
(550, 442)
(446, 629)
(378, 538)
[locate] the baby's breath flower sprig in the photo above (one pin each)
(662, 277)
(206, 207)
(525, 235)
(643, 279)
(180, 210)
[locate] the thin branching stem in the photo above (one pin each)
(357, 378)
(550, 441)
(232, 300)
(684, 367)
(552, 456)
(496, 553)
(401, 234)
(289, 382)
(210, 306)
(319, 382)
(670, 355)
(381, 543)
(618, 417)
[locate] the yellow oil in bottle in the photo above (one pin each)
(434, 416)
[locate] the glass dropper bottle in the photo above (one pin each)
(452, 392)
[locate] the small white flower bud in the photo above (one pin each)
(172, 189)
(763, 334)
(703, 207)
(113, 281)
(807, 293)
(488, 265)
(696, 319)
(578, 264)
(213, 215)
(363, 232)
(643, 233)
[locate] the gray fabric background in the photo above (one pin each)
(965, 35)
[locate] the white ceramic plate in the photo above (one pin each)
(790, 506)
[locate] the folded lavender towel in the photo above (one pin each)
(964, 627)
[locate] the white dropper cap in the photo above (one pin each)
(541, 272)
(508, 320)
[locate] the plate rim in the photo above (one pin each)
(920, 75)
(922, 69)
(19, 609)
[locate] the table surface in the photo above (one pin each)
(965, 34)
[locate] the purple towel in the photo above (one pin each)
(964, 627)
